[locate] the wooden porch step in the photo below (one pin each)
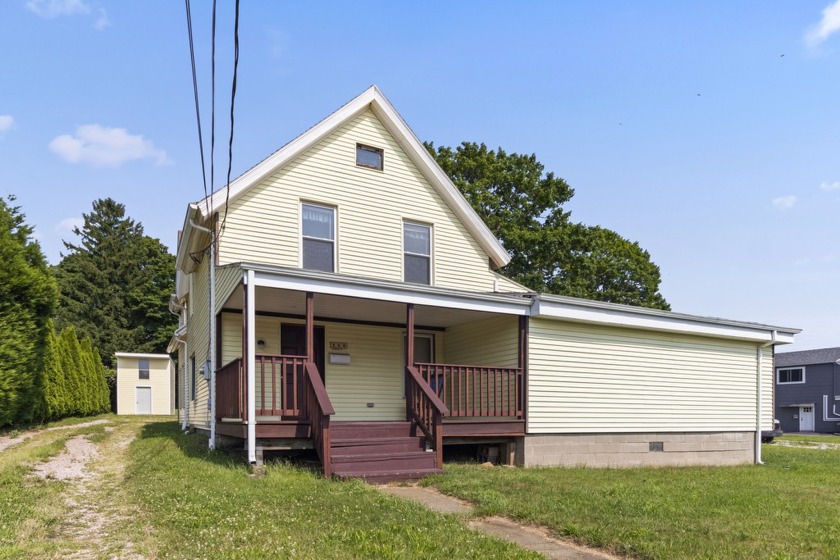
(378, 445)
(369, 462)
(362, 430)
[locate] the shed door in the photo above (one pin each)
(144, 400)
(806, 418)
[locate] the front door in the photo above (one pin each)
(293, 343)
(143, 404)
(806, 418)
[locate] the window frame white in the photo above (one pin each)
(141, 369)
(781, 369)
(334, 240)
(430, 256)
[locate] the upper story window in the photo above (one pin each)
(790, 375)
(368, 156)
(143, 368)
(417, 248)
(318, 237)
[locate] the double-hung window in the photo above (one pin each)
(143, 368)
(790, 375)
(318, 237)
(417, 248)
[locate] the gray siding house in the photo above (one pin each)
(808, 390)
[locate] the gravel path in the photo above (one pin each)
(8, 441)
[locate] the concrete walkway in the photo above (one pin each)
(531, 538)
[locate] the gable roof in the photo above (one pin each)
(808, 357)
(376, 101)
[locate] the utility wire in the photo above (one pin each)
(195, 95)
(213, 117)
(232, 104)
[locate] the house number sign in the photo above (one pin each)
(338, 346)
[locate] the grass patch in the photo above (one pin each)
(183, 489)
(810, 438)
(784, 509)
(27, 505)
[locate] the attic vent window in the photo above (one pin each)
(367, 156)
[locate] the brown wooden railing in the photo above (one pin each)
(279, 389)
(318, 409)
(230, 397)
(278, 385)
(476, 391)
(426, 409)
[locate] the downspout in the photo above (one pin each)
(182, 320)
(250, 365)
(211, 350)
(759, 357)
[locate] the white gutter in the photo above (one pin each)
(758, 403)
(179, 338)
(250, 365)
(211, 350)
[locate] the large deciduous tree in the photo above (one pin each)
(27, 299)
(115, 284)
(522, 204)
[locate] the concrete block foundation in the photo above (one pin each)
(636, 450)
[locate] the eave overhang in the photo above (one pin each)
(626, 316)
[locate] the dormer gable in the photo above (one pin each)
(362, 186)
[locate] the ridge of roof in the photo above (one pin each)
(373, 99)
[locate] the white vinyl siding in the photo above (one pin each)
(198, 342)
(587, 379)
(227, 279)
(263, 225)
(488, 342)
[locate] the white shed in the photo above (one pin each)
(145, 384)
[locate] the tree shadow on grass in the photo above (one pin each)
(193, 445)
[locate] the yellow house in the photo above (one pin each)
(145, 384)
(344, 295)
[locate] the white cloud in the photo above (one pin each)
(106, 147)
(67, 225)
(828, 25)
(6, 123)
(784, 202)
(53, 8)
(102, 21)
(835, 186)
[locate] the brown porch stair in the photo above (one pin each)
(380, 451)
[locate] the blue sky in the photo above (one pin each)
(707, 131)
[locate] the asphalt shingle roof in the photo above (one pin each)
(806, 357)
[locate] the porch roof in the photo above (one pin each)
(353, 298)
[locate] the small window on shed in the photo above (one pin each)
(143, 367)
(367, 156)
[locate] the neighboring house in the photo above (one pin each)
(348, 255)
(808, 390)
(145, 384)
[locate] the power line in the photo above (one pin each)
(195, 95)
(232, 104)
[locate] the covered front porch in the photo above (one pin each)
(301, 353)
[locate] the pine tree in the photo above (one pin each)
(115, 284)
(54, 382)
(28, 296)
(71, 362)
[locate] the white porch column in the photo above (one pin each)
(250, 367)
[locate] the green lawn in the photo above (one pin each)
(811, 438)
(172, 498)
(786, 508)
